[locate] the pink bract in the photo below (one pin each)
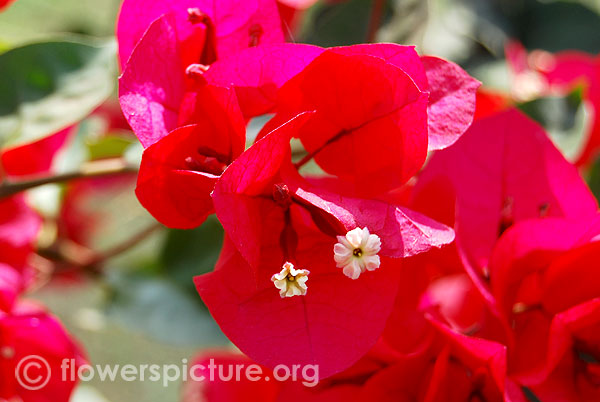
(35, 157)
(28, 330)
(178, 173)
(233, 21)
(503, 170)
(245, 206)
(257, 73)
(336, 323)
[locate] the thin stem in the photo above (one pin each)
(72, 256)
(375, 21)
(106, 167)
(129, 243)
(305, 160)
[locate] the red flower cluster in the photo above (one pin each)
(367, 115)
(333, 251)
(26, 328)
(513, 304)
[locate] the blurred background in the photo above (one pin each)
(124, 287)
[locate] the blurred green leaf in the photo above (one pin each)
(565, 119)
(85, 393)
(494, 74)
(188, 253)
(47, 86)
(559, 25)
(158, 308)
(109, 146)
(28, 21)
(157, 297)
(4, 46)
(340, 24)
(91, 142)
(404, 22)
(103, 213)
(530, 395)
(75, 152)
(593, 179)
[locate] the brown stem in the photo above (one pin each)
(305, 160)
(375, 21)
(129, 243)
(69, 256)
(100, 168)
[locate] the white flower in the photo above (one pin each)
(357, 252)
(291, 281)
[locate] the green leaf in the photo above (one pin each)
(188, 253)
(47, 86)
(340, 24)
(27, 21)
(593, 178)
(559, 25)
(566, 119)
(75, 153)
(157, 297)
(530, 395)
(159, 309)
(109, 146)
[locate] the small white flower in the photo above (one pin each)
(357, 252)
(291, 281)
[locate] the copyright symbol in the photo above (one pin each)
(33, 372)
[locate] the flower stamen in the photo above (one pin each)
(356, 252)
(291, 281)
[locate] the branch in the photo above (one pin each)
(129, 243)
(304, 160)
(70, 256)
(100, 168)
